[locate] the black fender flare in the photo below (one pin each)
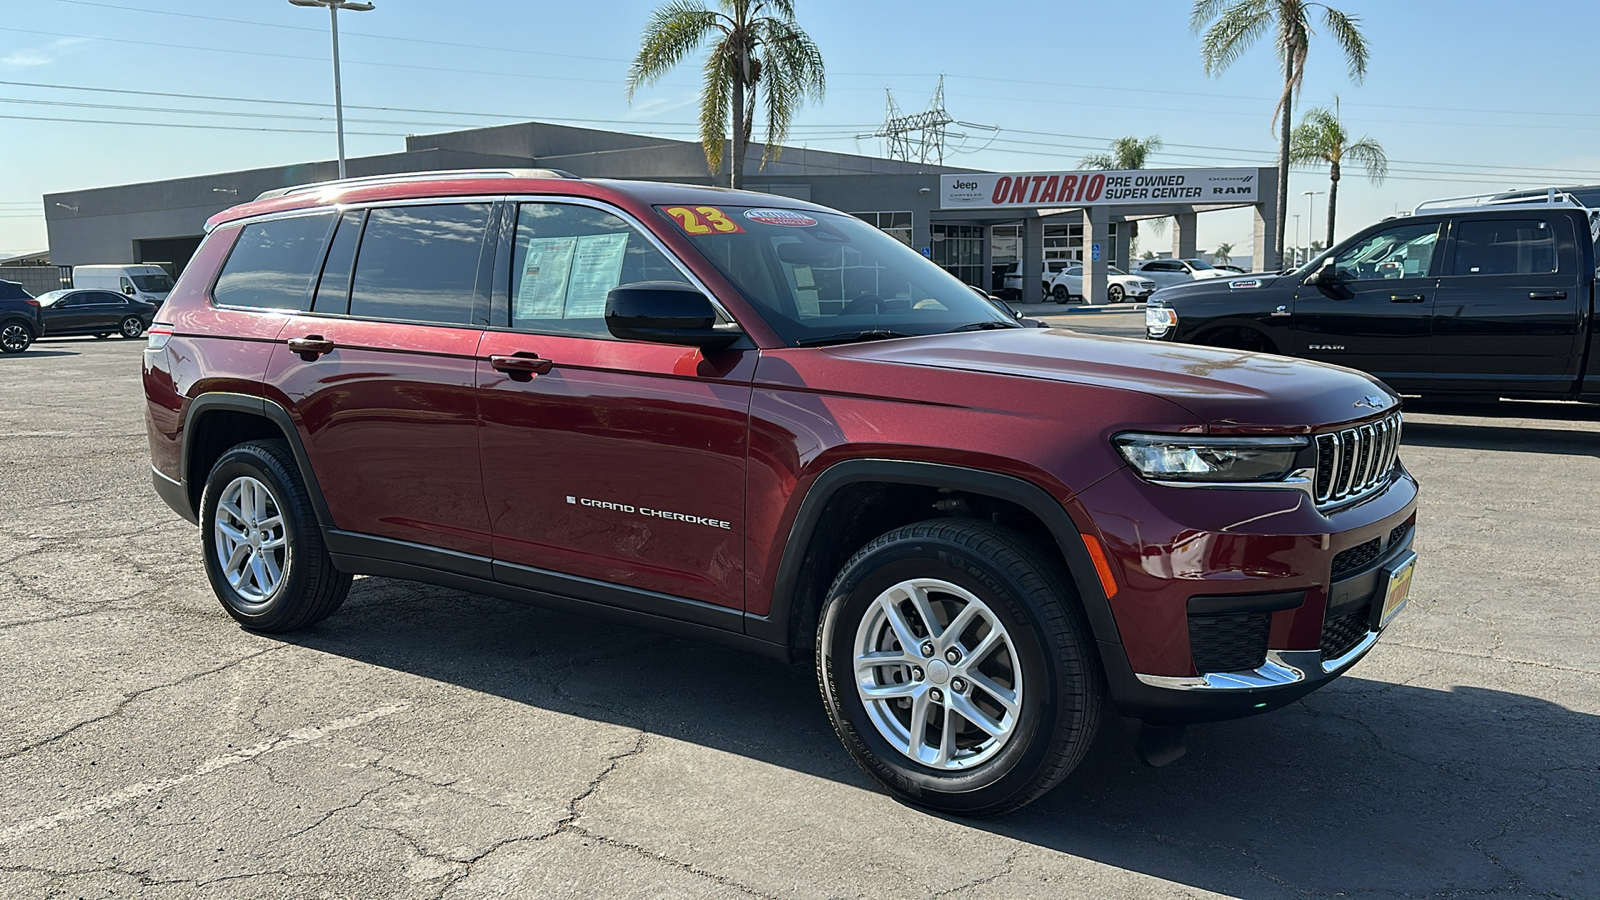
(266, 409)
(775, 626)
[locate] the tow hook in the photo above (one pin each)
(1158, 745)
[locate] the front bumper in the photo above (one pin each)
(1229, 601)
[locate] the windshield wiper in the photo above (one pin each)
(982, 326)
(850, 337)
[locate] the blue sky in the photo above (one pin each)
(1459, 108)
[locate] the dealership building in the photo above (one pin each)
(975, 224)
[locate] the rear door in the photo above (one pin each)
(380, 372)
(1511, 307)
(623, 463)
(1375, 313)
(105, 311)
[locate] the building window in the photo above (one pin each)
(1005, 244)
(895, 224)
(959, 250)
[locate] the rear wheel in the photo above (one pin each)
(131, 327)
(957, 667)
(1060, 294)
(263, 550)
(15, 337)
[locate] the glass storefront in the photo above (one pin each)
(959, 250)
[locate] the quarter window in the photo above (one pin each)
(1505, 247)
(567, 258)
(272, 264)
(1405, 251)
(420, 263)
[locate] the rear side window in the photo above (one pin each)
(566, 259)
(272, 264)
(10, 290)
(420, 263)
(1505, 247)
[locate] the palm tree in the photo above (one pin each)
(1128, 153)
(1223, 254)
(1320, 140)
(756, 50)
(1125, 153)
(1236, 24)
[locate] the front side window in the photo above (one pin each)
(1505, 247)
(820, 277)
(272, 264)
(567, 258)
(420, 263)
(1405, 251)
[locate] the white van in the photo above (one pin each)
(147, 283)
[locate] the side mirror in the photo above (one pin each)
(665, 312)
(1326, 274)
(128, 289)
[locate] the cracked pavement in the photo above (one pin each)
(426, 743)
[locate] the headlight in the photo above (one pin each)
(1236, 460)
(1158, 320)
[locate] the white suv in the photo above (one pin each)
(1176, 271)
(1119, 285)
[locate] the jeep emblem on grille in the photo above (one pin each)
(1370, 402)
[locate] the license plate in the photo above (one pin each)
(1399, 589)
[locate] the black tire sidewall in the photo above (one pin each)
(27, 332)
(122, 328)
(1013, 770)
(1114, 293)
(251, 460)
(1060, 294)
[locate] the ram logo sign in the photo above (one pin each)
(1098, 188)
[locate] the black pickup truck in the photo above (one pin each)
(1495, 299)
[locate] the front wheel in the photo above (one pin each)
(1114, 293)
(263, 550)
(957, 667)
(15, 337)
(131, 327)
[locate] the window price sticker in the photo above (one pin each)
(701, 220)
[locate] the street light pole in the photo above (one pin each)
(1310, 196)
(338, 88)
(1295, 247)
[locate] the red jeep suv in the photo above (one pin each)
(753, 420)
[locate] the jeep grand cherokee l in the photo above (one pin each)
(758, 421)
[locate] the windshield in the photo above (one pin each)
(152, 284)
(827, 277)
(1198, 264)
(50, 297)
(1113, 270)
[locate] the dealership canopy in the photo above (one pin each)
(1096, 188)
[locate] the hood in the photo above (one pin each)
(1232, 391)
(1232, 284)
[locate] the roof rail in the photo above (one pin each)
(399, 177)
(1550, 198)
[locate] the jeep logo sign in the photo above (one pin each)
(1098, 188)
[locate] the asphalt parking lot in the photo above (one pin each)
(429, 743)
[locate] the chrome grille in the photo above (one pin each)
(1352, 462)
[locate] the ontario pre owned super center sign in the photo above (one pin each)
(1098, 188)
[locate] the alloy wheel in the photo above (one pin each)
(250, 540)
(132, 328)
(938, 674)
(14, 338)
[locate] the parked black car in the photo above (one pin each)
(20, 318)
(1490, 299)
(99, 313)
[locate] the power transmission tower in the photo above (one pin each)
(918, 137)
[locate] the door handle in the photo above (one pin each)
(521, 366)
(1406, 298)
(311, 346)
(1547, 295)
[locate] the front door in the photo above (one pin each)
(1510, 309)
(1371, 310)
(619, 462)
(382, 370)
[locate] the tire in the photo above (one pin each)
(101, 336)
(15, 337)
(1114, 293)
(130, 327)
(1060, 294)
(308, 588)
(1044, 638)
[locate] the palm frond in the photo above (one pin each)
(1098, 161)
(1369, 153)
(715, 96)
(1347, 31)
(673, 32)
(792, 71)
(1234, 31)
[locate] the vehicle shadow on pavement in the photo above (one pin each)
(1472, 436)
(37, 354)
(1362, 786)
